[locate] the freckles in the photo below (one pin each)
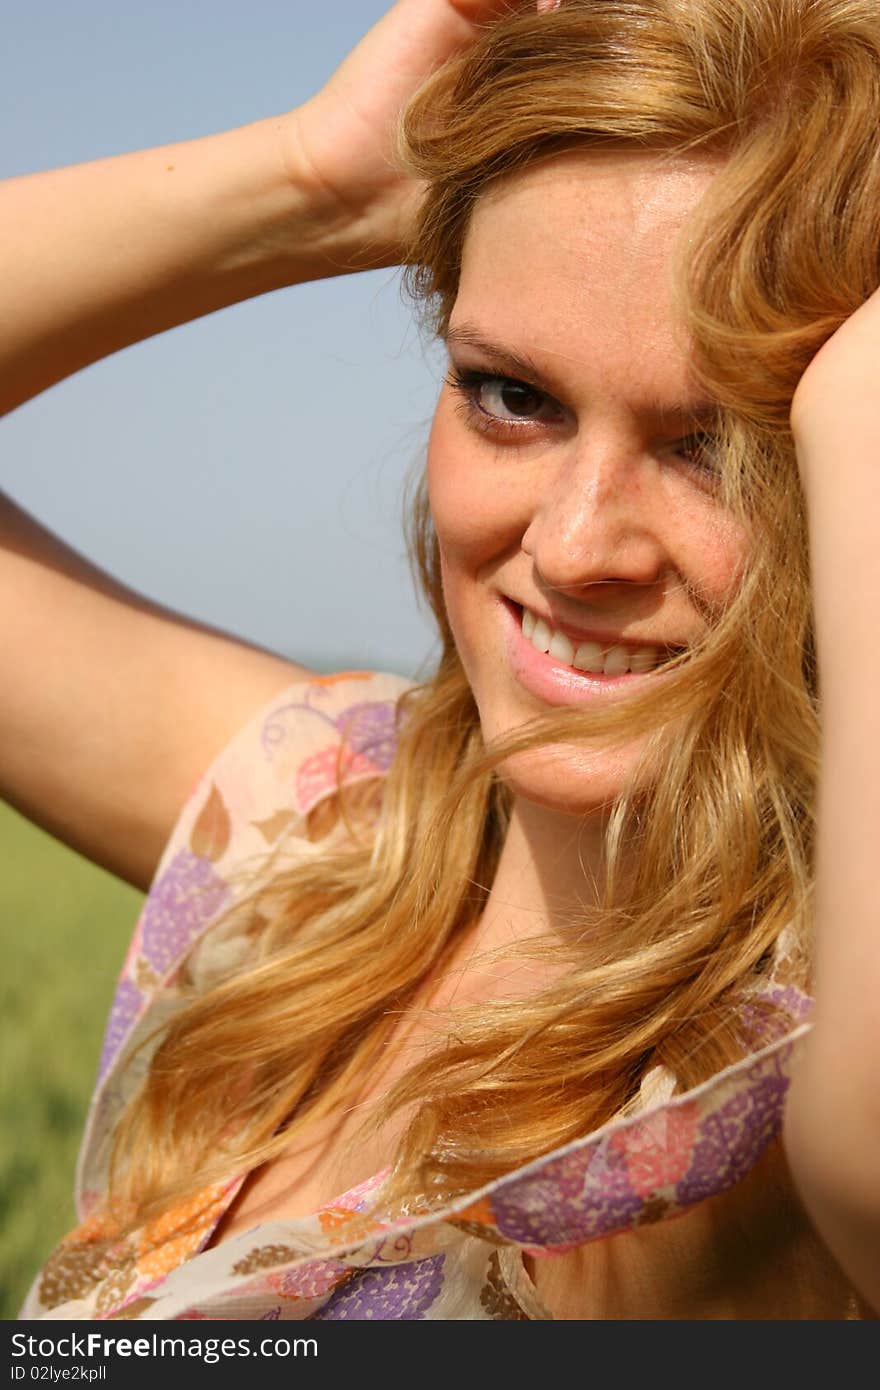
(711, 548)
(726, 555)
(470, 500)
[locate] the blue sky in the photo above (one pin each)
(245, 469)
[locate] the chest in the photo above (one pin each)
(304, 1181)
(335, 1154)
(748, 1253)
(349, 1147)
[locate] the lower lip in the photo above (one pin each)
(545, 678)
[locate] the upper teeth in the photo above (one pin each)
(587, 656)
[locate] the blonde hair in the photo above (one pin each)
(782, 249)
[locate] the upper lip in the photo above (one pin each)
(605, 639)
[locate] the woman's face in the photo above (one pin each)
(572, 500)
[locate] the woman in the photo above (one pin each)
(524, 971)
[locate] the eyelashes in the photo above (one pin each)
(502, 405)
(507, 408)
(700, 450)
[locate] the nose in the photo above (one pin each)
(599, 519)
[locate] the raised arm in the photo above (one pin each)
(101, 255)
(110, 706)
(832, 1128)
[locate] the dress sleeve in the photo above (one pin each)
(272, 786)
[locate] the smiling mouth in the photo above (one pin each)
(592, 657)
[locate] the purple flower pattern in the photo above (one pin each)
(588, 1192)
(567, 1200)
(181, 901)
(127, 1003)
(370, 728)
(401, 1293)
(732, 1138)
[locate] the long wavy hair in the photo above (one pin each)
(666, 969)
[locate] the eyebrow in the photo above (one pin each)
(512, 363)
(702, 414)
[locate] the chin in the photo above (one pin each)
(571, 781)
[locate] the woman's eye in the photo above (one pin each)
(503, 399)
(509, 400)
(700, 450)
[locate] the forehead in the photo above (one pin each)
(572, 258)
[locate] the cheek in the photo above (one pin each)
(706, 546)
(473, 505)
(719, 549)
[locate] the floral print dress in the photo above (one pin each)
(276, 781)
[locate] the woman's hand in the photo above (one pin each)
(101, 255)
(341, 143)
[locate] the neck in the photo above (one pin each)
(550, 871)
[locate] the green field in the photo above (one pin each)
(64, 930)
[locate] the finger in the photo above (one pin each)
(477, 10)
